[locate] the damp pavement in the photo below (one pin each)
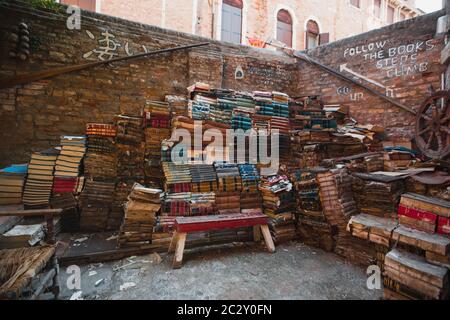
(232, 272)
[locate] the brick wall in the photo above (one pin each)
(35, 115)
(404, 62)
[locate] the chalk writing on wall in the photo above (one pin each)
(358, 96)
(398, 61)
(108, 47)
(343, 91)
(267, 75)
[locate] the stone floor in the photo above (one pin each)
(237, 271)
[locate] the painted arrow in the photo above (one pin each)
(344, 67)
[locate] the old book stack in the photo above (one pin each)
(225, 106)
(115, 217)
(251, 197)
(432, 184)
(313, 227)
(163, 231)
(378, 194)
(38, 186)
(312, 155)
(277, 194)
(204, 178)
(73, 149)
(177, 177)
(364, 162)
(140, 217)
(424, 213)
(280, 104)
(157, 128)
(417, 257)
(228, 202)
(344, 146)
(283, 227)
(95, 203)
(202, 204)
(130, 147)
(338, 207)
(228, 177)
(250, 177)
(70, 219)
(178, 105)
(11, 184)
(395, 160)
(200, 108)
(242, 119)
(411, 277)
(101, 157)
(264, 104)
(279, 204)
(368, 136)
(375, 230)
(68, 177)
(229, 186)
(176, 205)
(374, 163)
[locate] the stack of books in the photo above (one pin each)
(38, 186)
(72, 152)
(11, 184)
(140, 217)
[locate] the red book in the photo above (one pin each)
(417, 214)
(444, 226)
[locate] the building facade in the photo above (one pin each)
(300, 24)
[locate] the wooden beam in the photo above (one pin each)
(178, 258)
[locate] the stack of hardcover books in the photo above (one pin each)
(69, 159)
(38, 186)
(11, 184)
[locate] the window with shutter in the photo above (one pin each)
(377, 8)
(232, 21)
(284, 27)
(312, 34)
(390, 14)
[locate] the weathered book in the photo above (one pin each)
(414, 272)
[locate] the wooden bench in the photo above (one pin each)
(185, 225)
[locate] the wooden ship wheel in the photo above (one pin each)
(433, 126)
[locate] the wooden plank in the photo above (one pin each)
(173, 242)
(196, 224)
(257, 233)
(268, 238)
(178, 258)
